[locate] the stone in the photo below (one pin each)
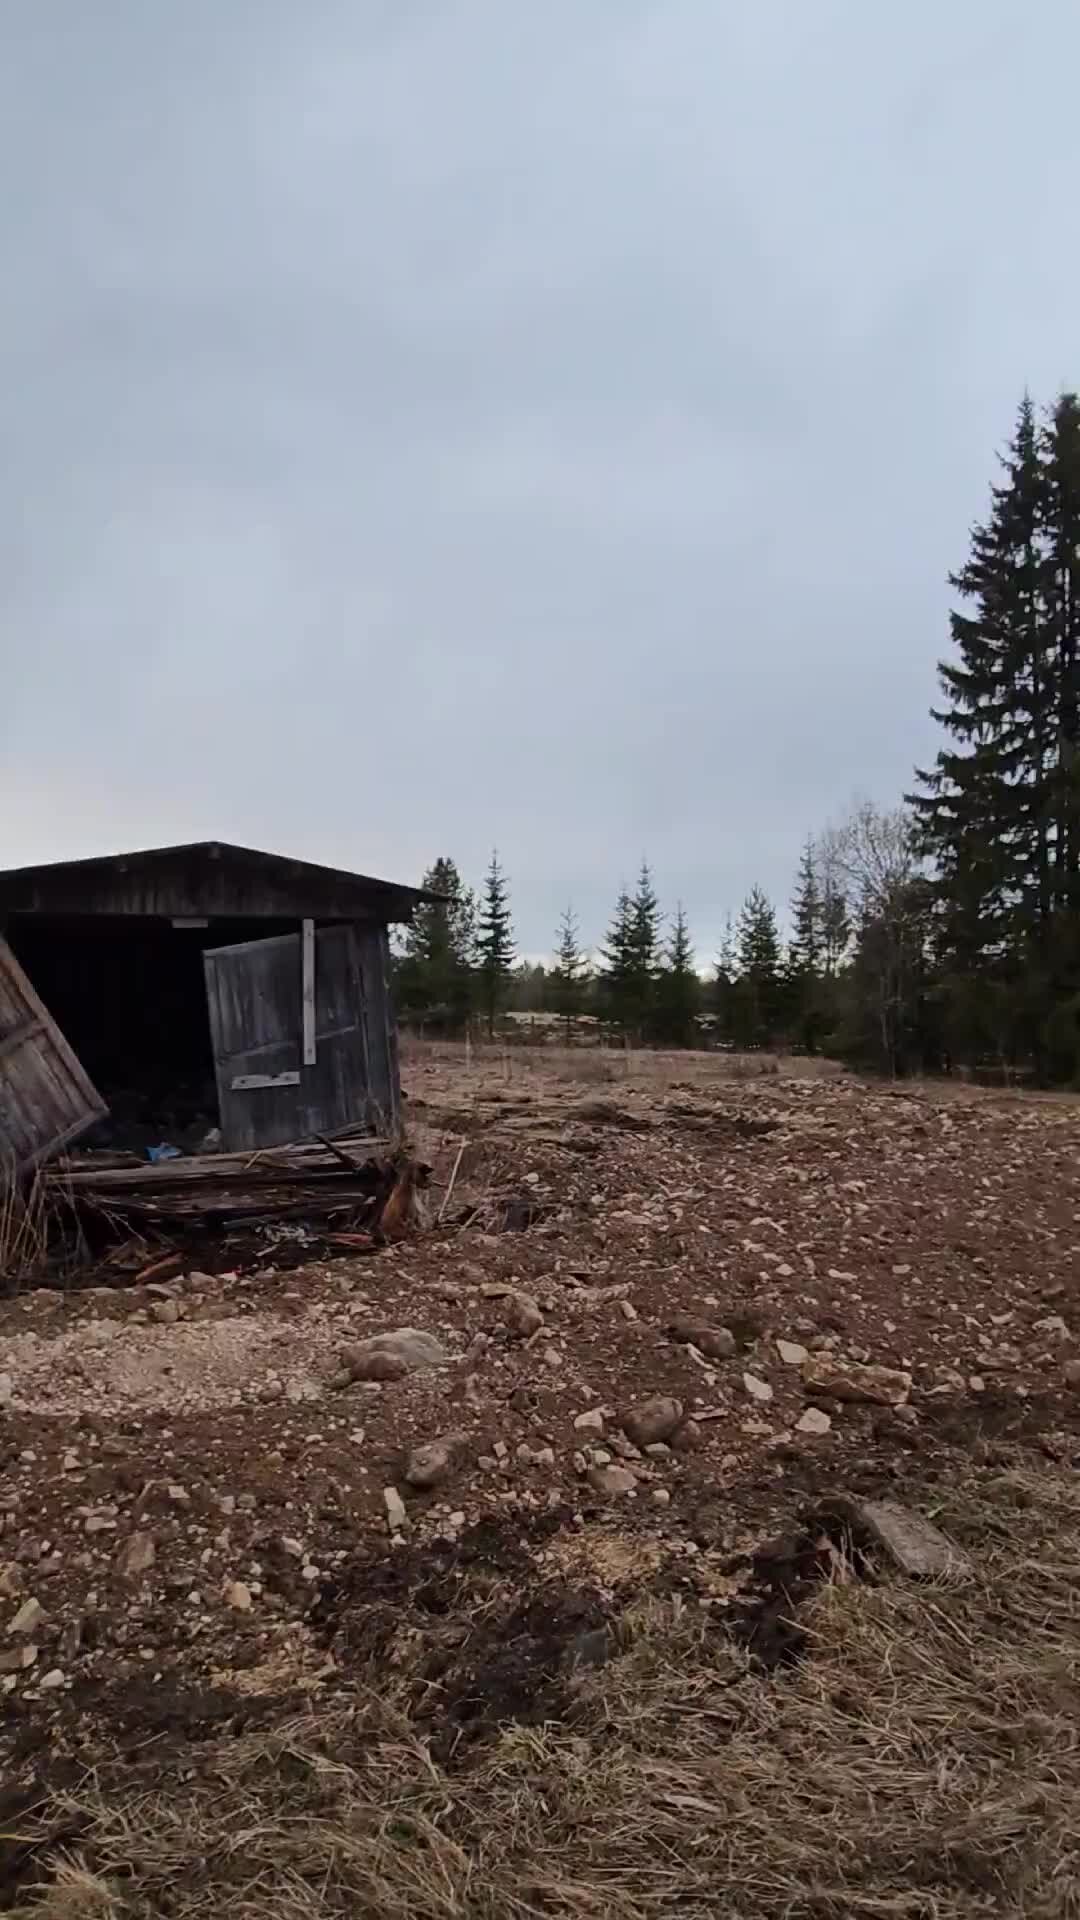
(238, 1597)
(757, 1389)
(1071, 1375)
(844, 1380)
(522, 1315)
(390, 1356)
(18, 1659)
(651, 1420)
(167, 1312)
(911, 1543)
(791, 1353)
(136, 1556)
(612, 1480)
(7, 1389)
(590, 1422)
(814, 1420)
(660, 1497)
(628, 1310)
(688, 1438)
(716, 1343)
(396, 1516)
(29, 1616)
(435, 1460)
(51, 1682)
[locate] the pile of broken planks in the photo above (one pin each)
(351, 1201)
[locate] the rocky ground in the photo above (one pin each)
(668, 1308)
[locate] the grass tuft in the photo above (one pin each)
(922, 1763)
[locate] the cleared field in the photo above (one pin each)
(579, 1672)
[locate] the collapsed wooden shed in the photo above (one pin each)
(195, 982)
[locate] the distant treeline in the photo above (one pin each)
(944, 931)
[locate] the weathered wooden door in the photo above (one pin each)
(268, 1092)
(46, 1098)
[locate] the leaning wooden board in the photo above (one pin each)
(46, 1097)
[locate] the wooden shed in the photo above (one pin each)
(194, 984)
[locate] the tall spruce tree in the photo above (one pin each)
(434, 975)
(807, 938)
(725, 986)
(615, 983)
(804, 968)
(999, 812)
(984, 813)
(759, 995)
(568, 978)
(494, 943)
(644, 955)
(678, 988)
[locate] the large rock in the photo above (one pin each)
(28, 1618)
(612, 1480)
(911, 1543)
(522, 1315)
(137, 1555)
(840, 1379)
(389, 1356)
(716, 1343)
(652, 1420)
(432, 1462)
(792, 1352)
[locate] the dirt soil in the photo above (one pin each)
(199, 1528)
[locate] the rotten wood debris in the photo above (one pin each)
(326, 1185)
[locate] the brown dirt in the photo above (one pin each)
(931, 1229)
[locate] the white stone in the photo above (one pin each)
(791, 1353)
(30, 1614)
(757, 1389)
(814, 1420)
(396, 1516)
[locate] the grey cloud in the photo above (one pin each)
(434, 424)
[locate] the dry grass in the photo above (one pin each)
(923, 1764)
(23, 1228)
(524, 1065)
(39, 1230)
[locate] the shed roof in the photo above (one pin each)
(204, 879)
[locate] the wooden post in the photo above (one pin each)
(307, 945)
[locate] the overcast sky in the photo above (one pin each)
(434, 423)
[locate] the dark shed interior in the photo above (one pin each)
(130, 997)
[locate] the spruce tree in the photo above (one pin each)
(615, 983)
(803, 972)
(807, 939)
(434, 975)
(568, 978)
(985, 812)
(724, 986)
(678, 989)
(1059, 450)
(999, 812)
(494, 943)
(644, 955)
(760, 990)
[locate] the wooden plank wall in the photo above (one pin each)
(46, 1098)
